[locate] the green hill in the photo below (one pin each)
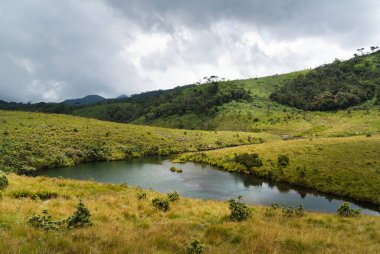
(338, 85)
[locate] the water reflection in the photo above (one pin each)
(203, 181)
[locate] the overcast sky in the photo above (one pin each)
(54, 50)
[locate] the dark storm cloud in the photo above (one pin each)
(278, 18)
(52, 50)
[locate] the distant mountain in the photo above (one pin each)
(123, 96)
(89, 99)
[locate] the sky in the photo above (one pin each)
(54, 50)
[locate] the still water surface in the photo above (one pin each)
(202, 181)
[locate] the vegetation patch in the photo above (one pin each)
(80, 218)
(173, 196)
(195, 247)
(161, 204)
(3, 181)
(42, 195)
(238, 210)
(345, 210)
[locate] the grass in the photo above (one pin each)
(345, 166)
(260, 114)
(124, 224)
(33, 141)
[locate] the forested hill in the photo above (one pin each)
(338, 85)
(201, 99)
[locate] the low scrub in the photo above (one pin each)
(195, 247)
(161, 204)
(283, 160)
(345, 210)
(239, 211)
(45, 222)
(249, 160)
(141, 195)
(173, 196)
(3, 181)
(42, 195)
(285, 211)
(80, 218)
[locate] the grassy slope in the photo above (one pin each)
(254, 116)
(347, 166)
(36, 140)
(122, 224)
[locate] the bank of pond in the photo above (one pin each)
(204, 182)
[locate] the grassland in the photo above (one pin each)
(32, 141)
(346, 166)
(124, 224)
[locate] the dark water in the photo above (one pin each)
(202, 181)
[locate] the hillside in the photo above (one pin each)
(32, 141)
(338, 85)
(122, 223)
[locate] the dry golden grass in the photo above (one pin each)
(124, 224)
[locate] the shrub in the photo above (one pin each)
(283, 160)
(239, 211)
(248, 160)
(271, 211)
(161, 204)
(21, 194)
(195, 247)
(286, 211)
(345, 210)
(45, 222)
(3, 181)
(43, 195)
(293, 212)
(141, 195)
(173, 196)
(80, 218)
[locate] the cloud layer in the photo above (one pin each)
(53, 50)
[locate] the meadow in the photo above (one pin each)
(124, 221)
(33, 141)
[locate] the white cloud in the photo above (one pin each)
(53, 50)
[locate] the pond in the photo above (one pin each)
(203, 181)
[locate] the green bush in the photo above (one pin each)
(283, 160)
(293, 212)
(161, 204)
(286, 211)
(195, 247)
(239, 211)
(3, 181)
(248, 160)
(173, 196)
(173, 169)
(45, 222)
(141, 195)
(80, 218)
(43, 195)
(345, 210)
